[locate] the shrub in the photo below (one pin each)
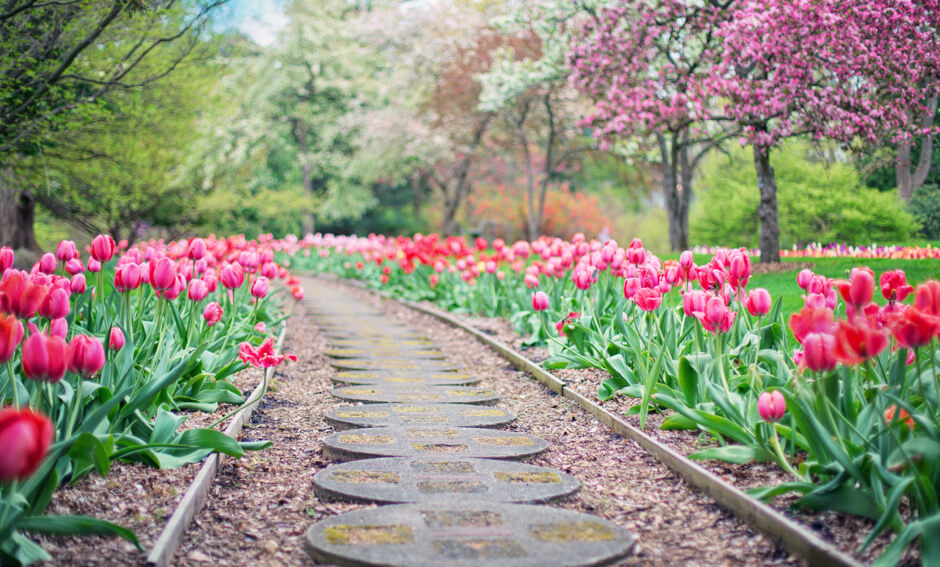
(925, 206)
(816, 202)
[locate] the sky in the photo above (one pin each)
(259, 19)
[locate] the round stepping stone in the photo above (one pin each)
(397, 363)
(377, 394)
(470, 534)
(404, 378)
(436, 415)
(406, 479)
(384, 352)
(430, 442)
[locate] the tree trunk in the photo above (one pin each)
(306, 170)
(908, 181)
(461, 183)
(769, 239)
(674, 197)
(17, 212)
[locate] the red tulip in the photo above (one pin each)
(25, 436)
(212, 313)
(913, 328)
(263, 356)
(540, 301)
(894, 286)
(44, 358)
(818, 352)
(11, 333)
(297, 292)
(808, 320)
(647, 299)
(102, 248)
(55, 305)
(116, 339)
(758, 302)
(903, 416)
(771, 406)
(198, 290)
(259, 287)
(162, 273)
(857, 341)
(85, 355)
(860, 288)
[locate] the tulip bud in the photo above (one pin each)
(6, 259)
(771, 406)
(540, 301)
(11, 333)
(198, 290)
(44, 358)
(758, 302)
(66, 251)
(78, 285)
(85, 355)
(55, 305)
(212, 313)
(102, 248)
(74, 266)
(59, 328)
(818, 352)
(94, 266)
(197, 249)
(162, 273)
(25, 436)
(47, 263)
(116, 339)
(686, 260)
(233, 276)
(259, 288)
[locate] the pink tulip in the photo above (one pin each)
(819, 352)
(127, 277)
(102, 248)
(11, 333)
(771, 406)
(212, 313)
(686, 260)
(44, 358)
(25, 436)
(758, 302)
(540, 301)
(94, 266)
(804, 278)
(198, 290)
(74, 266)
(297, 292)
(197, 249)
(116, 339)
(232, 276)
(59, 328)
(77, 284)
(259, 287)
(631, 286)
(717, 316)
(693, 301)
(66, 251)
(47, 263)
(175, 289)
(162, 273)
(6, 259)
(85, 355)
(647, 299)
(55, 305)
(261, 327)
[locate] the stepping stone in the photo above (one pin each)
(470, 534)
(346, 334)
(384, 352)
(403, 378)
(398, 363)
(436, 415)
(430, 442)
(377, 394)
(366, 343)
(405, 479)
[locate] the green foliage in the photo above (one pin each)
(925, 206)
(277, 210)
(817, 202)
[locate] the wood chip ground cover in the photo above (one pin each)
(261, 505)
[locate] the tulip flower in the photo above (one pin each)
(927, 298)
(59, 328)
(102, 249)
(860, 288)
(758, 302)
(127, 277)
(693, 301)
(261, 327)
(198, 290)
(717, 317)
(116, 339)
(297, 292)
(74, 266)
(47, 263)
(94, 266)
(809, 320)
(78, 284)
(6, 259)
(894, 286)
(902, 416)
(11, 333)
(55, 305)
(540, 301)
(25, 436)
(85, 356)
(66, 251)
(44, 358)
(212, 313)
(771, 406)
(913, 328)
(857, 341)
(819, 352)
(686, 260)
(232, 276)
(433, 280)
(162, 273)
(263, 356)
(259, 287)
(647, 299)
(175, 289)
(804, 278)
(197, 249)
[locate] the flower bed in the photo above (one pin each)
(105, 360)
(849, 412)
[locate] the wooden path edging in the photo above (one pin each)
(761, 517)
(195, 497)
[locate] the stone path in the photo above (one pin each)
(435, 456)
